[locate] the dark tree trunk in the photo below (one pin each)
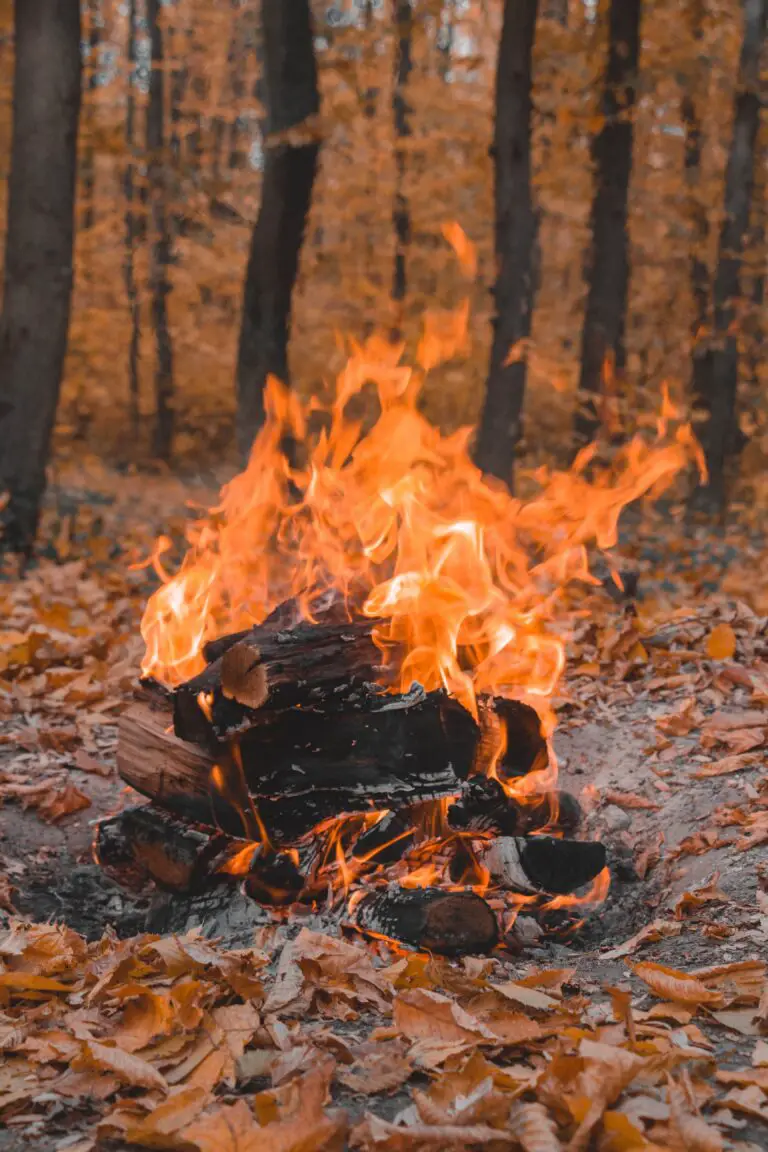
(160, 255)
(401, 215)
(697, 211)
(291, 96)
(757, 336)
(608, 277)
(716, 398)
(89, 156)
(39, 254)
(131, 226)
(515, 241)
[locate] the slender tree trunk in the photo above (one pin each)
(692, 104)
(716, 399)
(605, 319)
(160, 256)
(131, 226)
(515, 241)
(757, 342)
(89, 156)
(401, 215)
(39, 254)
(291, 96)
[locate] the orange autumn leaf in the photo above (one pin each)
(670, 984)
(130, 1069)
(721, 643)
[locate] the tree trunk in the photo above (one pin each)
(604, 322)
(160, 255)
(716, 399)
(692, 104)
(291, 96)
(401, 215)
(39, 254)
(89, 156)
(131, 228)
(515, 241)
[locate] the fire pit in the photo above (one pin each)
(347, 688)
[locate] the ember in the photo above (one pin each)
(358, 657)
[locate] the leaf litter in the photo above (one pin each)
(310, 1040)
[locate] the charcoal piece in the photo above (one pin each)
(387, 841)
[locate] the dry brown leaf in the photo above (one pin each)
(88, 763)
(177, 1111)
(130, 1069)
(425, 1015)
(658, 930)
(693, 1133)
(629, 800)
(669, 984)
(373, 1132)
(726, 766)
(708, 893)
(533, 1128)
(721, 642)
(230, 1128)
(147, 1014)
(57, 804)
(382, 1069)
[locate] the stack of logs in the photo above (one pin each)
(250, 765)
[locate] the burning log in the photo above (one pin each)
(451, 923)
(542, 864)
(311, 665)
(484, 806)
(302, 766)
(388, 840)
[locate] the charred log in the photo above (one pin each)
(388, 840)
(145, 843)
(309, 665)
(451, 923)
(303, 766)
(543, 863)
(484, 806)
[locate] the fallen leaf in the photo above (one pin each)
(178, 1110)
(64, 802)
(130, 1069)
(533, 1128)
(423, 1014)
(669, 984)
(721, 642)
(650, 934)
(694, 1134)
(726, 766)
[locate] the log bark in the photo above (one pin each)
(39, 254)
(516, 230)
(715, 401)
(306, 666)
(145, 843)
(302, 766)
(291, 97)
(608, 275)
(451, 923)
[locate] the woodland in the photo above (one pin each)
(383, 619)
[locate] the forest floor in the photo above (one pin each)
(648, 1028)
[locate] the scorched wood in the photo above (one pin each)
(302, 766)
(451, 923)
(145, 843)
(310, 665)
(542, 864)
(484, 806)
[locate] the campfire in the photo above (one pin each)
(347, 691)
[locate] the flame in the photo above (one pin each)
(393, 520)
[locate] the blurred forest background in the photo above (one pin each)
(407, 118)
